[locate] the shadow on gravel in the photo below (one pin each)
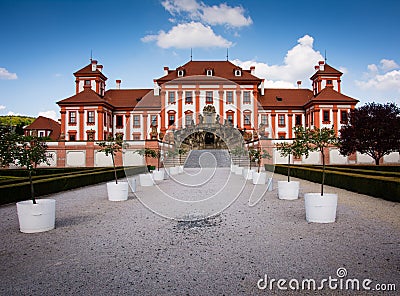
(71, 221)
(193, 221)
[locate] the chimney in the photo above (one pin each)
(156, 88)
(94, 65)
(262, 87)
(100, 68)
(298, 83)
(316, 68)
(252, 70)
(166, 69)
(321, 65)
(118, 83)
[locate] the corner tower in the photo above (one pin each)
(325, 76)
(91, 76)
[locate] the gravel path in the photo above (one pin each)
(123, 248)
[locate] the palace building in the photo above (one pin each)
(182, 97)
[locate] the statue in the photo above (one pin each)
(153, 133)
(217, 119)
(201, 118)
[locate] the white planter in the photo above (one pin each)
(270, 184)
(288, 190)
(37, 217)
(259, 178)
(180, 169)
(173, 171)
(132, 183)
(320, 209)
(146, 180)
(238, 170)
(248, 174)
(233, 167)
(158, 175)
(117, 192)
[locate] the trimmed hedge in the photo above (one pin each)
(17, 192)
(383, 187)
(359, 170)
(42, 171)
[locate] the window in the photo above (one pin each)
(246, 97)
(171, 97)
(109, 120)
(41, 134)
(171, 119)
(264, 119)
(229, 117)
(119, 122)
(343, 117)
(281, 136)
(209, 72)
(188, 119)
(297, 119)
(329, 82)
(312, 118)
(90, 117)
(326, 116)
(136, 121)
(209, 97)
(153, 120)
(247, 118)
(104, 119)
(188, 97)
(181, 73)
(136, 136)
(281, 120)
(87, 82)
(72, 117)
(229, 97)
(72, 136)
(238, 72)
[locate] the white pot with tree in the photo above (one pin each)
(289, 190)
(116, 190)
(147, 178)
(238, 151)
(320, 207)
(260, 178)
(248, 172)
(35, 215)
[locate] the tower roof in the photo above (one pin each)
(328, 70)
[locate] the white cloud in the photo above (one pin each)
(298, 64)
(382, 78)
(387, 65)
(188, 35)
(2, 107)
(4, 74)
(49, 114)
(11, 113)
(222, 14)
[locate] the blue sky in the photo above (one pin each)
(44, 42)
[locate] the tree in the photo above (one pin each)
(258, 155)
(287, 149)
(316, 140)
(111, 147)
(30, 152)
(372, 129)
(8, 146)
(238, 151)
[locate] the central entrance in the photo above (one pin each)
(209, 138)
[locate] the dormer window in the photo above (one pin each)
(238, 72)
(209, 72)
(181, 73)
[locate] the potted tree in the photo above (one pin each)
(181, 151)
(238, 151)
(146, 179)
(35, 215)
(248, 172)
(158, 175)
(290, 189)
(117, 191)
(173, 170)
(260, 177)
(320, 207)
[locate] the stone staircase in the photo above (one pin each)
(208, 158)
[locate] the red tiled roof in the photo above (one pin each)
(87, 96)
(224, 69)
(44, 123)
(129, 98)
(87, 71)
(328, 70)
(278, 98)
(328, 94)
